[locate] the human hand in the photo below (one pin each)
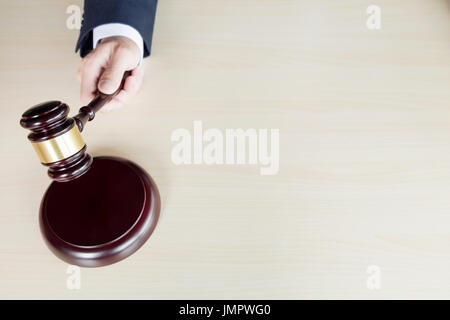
(103, 69)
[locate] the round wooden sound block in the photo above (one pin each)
(101, 217)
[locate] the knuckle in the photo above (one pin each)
(121, 51)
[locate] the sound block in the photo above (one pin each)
(103, 216)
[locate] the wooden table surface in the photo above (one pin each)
(364, 178)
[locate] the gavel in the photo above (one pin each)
(121, 202)
(57, 139)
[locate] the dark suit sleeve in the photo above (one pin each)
(139, 14)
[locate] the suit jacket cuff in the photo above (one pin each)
(139, 14)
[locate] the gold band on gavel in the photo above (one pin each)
(60, 147)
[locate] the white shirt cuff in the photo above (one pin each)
(118, 29)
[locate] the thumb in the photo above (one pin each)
(111, 78)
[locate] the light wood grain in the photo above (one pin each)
(364, 119)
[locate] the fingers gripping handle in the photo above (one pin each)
(87, 113)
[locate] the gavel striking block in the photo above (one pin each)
(97, 211)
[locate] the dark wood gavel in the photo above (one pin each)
(57, 139)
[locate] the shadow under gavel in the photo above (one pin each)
(57, 139)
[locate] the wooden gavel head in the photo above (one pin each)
(57, 139)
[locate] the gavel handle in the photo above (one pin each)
(87, 113)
